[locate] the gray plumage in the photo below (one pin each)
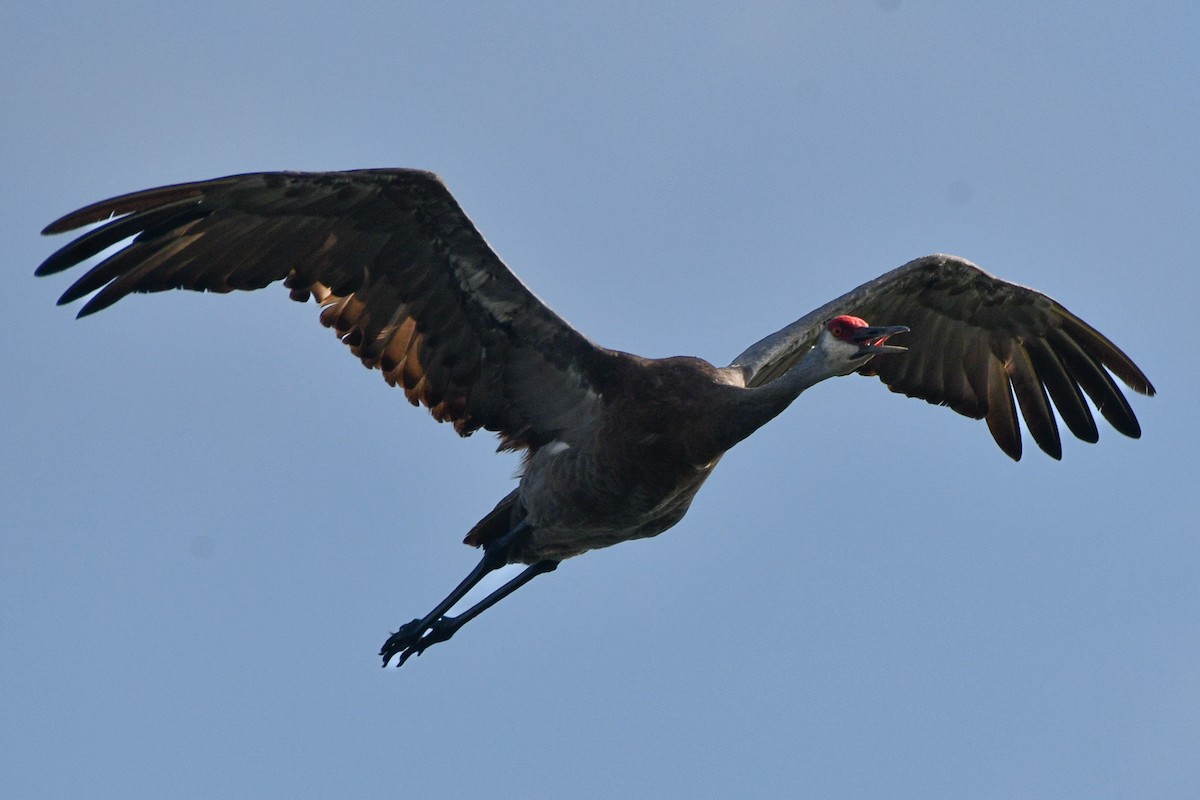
(615, 445)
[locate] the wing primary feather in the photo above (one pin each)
(128, 281)
(116, 266)
(107, 235)
(1097, 384)
(138, 201)
(1035, 405)
(1002, 413)
(1063, 390)
(1107, 353)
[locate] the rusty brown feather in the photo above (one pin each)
(615, 445)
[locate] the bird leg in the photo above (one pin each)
(443, 627)
(415, 636)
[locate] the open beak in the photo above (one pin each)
(871, 339)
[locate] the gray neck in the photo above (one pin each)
(757, 406)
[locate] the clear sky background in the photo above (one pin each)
(213, 515)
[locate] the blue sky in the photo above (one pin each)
(214, 515)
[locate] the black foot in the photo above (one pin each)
(413, 638)
(401, 640)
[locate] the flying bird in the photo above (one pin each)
(615, 446)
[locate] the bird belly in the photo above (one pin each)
(575, 506)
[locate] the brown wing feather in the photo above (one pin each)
(981, 345)
(401, 274)
(963, 318)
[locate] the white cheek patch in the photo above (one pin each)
(556, 447)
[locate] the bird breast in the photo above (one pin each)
(633, 470)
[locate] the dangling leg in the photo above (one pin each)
(495, 555)
(442, 628)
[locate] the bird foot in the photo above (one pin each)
(401, 641)
(413, 638)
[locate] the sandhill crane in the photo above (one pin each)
(615, 445)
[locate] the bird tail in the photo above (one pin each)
(499, 521)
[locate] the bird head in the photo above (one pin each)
(852, 341)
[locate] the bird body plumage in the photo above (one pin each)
(616, 445)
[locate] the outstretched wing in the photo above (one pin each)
(401, 274)
(976, 341)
